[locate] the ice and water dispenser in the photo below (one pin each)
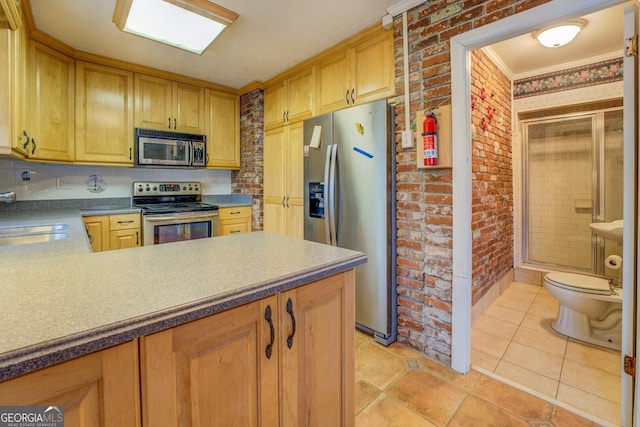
(316, 199)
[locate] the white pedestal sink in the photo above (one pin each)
(608, 230)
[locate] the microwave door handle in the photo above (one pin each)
(325, 196)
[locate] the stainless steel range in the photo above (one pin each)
(174, 211)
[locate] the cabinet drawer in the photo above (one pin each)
(231, 228)
(234, 213)
(123, 222)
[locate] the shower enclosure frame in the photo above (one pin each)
(597, 117)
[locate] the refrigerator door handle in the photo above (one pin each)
(325, 195)
(332, 196)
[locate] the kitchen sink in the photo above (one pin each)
(23, 230)
(37, 233)
(30, 238)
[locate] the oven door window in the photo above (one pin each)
(178, 232)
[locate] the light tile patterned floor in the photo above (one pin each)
(514, 339)
(399, 387)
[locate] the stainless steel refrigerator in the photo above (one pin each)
(349, 193)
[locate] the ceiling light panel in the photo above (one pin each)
(191, 26)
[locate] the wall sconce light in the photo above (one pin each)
(561, 34)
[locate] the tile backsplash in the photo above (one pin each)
(46, 181)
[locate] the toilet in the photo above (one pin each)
(589, 310)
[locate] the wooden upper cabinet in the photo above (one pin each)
(49, 113)
(104, 114)
(291, 100)
(362, 73)
(373, 69)
(12, 89)
(168, 105)
(222, 129)
(11, 13)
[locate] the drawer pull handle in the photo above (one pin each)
(293, 323)
(234, 213)
(267, 317)
(121, 221)
(234, 231)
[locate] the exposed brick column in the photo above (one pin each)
(248, 180)
(424, 211)
(491, 175)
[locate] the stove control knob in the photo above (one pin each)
(196, 188)
(190, 188)
(140, 188)
(155, 188)
(148, 189)
(184, 188)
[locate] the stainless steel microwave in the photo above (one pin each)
(161, 148)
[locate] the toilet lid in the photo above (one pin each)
(580, 283)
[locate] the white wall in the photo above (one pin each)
(53, 182)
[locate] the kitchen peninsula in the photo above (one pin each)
(253, 325)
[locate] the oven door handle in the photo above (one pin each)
(162, 218)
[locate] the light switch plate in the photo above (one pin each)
(407, 139)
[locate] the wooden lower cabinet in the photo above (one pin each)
(100, 389)
(111, 232)
(235, 220)
(217, 370)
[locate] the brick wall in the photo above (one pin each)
(424, 197)
(248, 180)
(491, 175)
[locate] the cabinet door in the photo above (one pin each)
(124, 239)
(152, 102)
(300, 97)
(373, 69)
(333, 84)
(223, 130)
(274, 180)
(97, 232)
(274, 106)
(100, 389)
(50, 111)
(104, 114)
(188, 108)
(318, 353)
(213, 371)
(294, 190)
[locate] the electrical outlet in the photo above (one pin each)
(407, 139)
(63, 184)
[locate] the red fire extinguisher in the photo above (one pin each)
(430, 140)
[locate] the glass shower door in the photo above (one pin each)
(559, 192)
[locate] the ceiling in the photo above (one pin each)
(269, 36)
(272, 36)
(601, 36)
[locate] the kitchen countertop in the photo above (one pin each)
(60, 301)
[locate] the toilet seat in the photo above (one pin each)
(579, 283)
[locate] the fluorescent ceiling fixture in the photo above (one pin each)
(559, 35)
(187, 24)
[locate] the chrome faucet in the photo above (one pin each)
(7, 197)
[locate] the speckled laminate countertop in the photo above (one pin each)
(59, 301)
